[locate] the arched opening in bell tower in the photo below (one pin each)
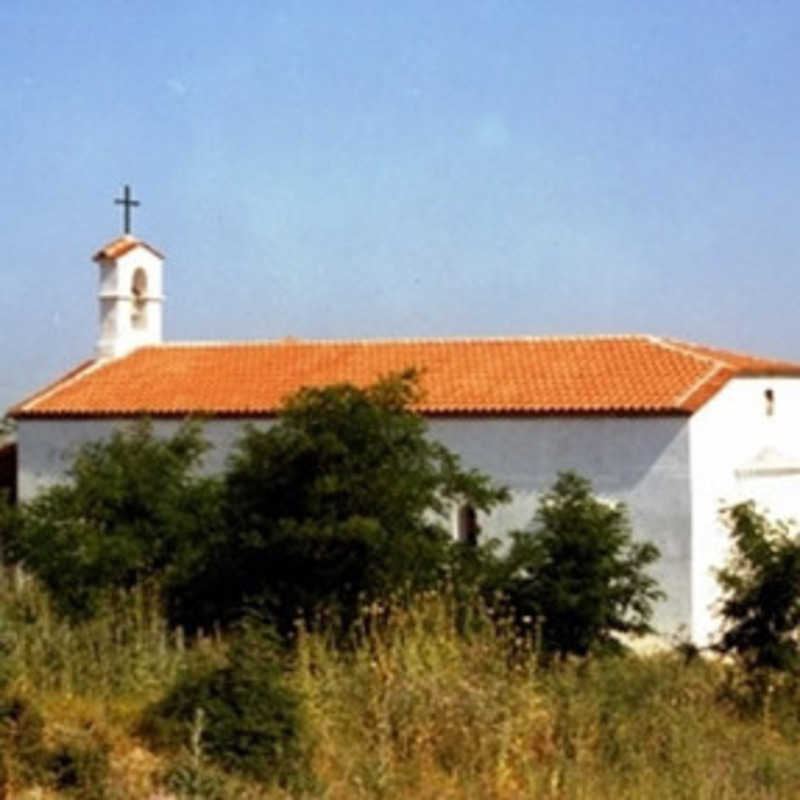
(139, 293)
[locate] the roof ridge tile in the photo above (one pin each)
(707, 376)
(189, 343)
(685, 348)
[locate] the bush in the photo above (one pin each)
(244, 716)
(134, 511)
(760, 608)
(577, 578)
(343, 499)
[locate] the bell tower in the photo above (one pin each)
(131, 298)
(131, 291)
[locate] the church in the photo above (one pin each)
(672, 429)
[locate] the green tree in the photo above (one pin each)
(577, 574)
(133, 510)
(343, 499)
(760, 608)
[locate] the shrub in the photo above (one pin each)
(133, 511)
(577, 578)
(343, 498)
(249, 720)
(760, 608)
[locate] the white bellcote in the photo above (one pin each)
(131, 296)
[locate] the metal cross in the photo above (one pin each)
(128, 203)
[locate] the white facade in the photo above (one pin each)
(131, 299)
(744, 446)
(641, 461)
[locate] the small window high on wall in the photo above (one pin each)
(467, 528)
(769, 401)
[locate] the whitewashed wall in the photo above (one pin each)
(47, 447)
(642, 461)
(739, 452)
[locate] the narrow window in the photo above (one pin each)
(139, 292)
(467, 528)
(769, 397)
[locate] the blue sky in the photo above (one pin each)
(356, 169)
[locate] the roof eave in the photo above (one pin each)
(19, 411)
(437, 413)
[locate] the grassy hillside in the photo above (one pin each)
(414, 708)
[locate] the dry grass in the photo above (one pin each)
(423, 711)
(418, 709)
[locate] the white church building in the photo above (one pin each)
(672, 429)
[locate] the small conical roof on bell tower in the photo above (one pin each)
(122, 245)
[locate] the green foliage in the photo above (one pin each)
(10, 521)
(761, 592)
(340, 500)
(577, 578)
(242, 716)
(134, 510)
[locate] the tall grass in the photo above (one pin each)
(127, 648)
(425, 702)
(91, 679)
(419, 709)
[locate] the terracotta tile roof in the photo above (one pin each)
(581, 375)
(121, 246)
